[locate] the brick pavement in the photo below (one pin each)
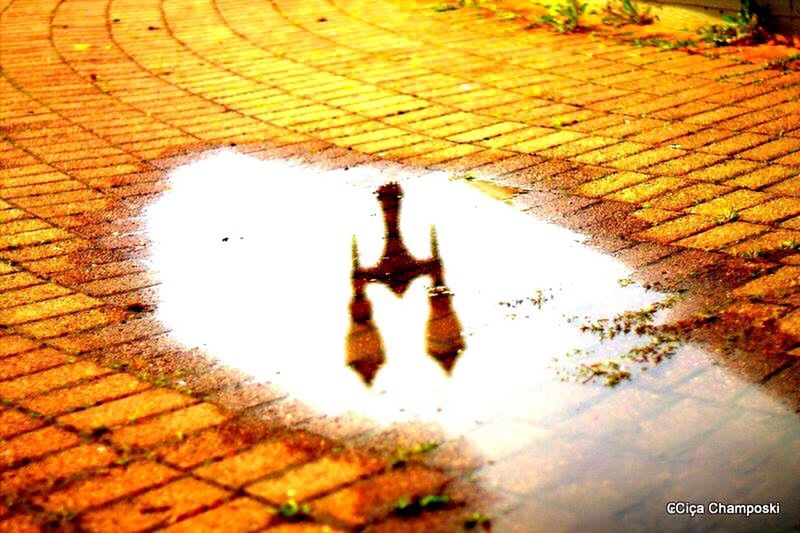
(677, 162)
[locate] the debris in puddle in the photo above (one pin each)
(638, 321)
(612, 370)
(662, 343)
(536, 301)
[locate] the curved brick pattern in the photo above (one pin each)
(678, 163)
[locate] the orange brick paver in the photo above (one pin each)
(104, 428)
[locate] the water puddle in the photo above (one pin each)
(427, 300)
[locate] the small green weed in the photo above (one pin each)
(402, 455)
(477, 519)
(751, 254)
(620, 12)
(782, 63)
(291, 509)
(790, 244)
(408, 506)
(743, 28)
(564, 17)
(402, 504)
(664, 44)
(729, 215)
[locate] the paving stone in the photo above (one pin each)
(176, 424)
(770, 241)
(60, 376)
(30, 362)
(724, 206)
(127, 409)
(85, 395)
(263, 459)
(106, 486)
(241, 514)
(611, 183)
(675, 229)
(15, 344)
(13, 422)
(20, 523)
(772, 210)
(45, 472)
(785, 277)
(365, 500)
(722, 235)
(644, 191)
(763, 177)
(162, 506)
(317, 477)
(34, 444)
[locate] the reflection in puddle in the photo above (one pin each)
(258, 269)
(396, 269)
(260, 262)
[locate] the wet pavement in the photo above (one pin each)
(217, 312)
(499, 369)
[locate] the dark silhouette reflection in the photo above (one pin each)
(396, 269)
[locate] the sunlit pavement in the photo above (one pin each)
(127, 400)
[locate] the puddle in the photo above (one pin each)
(461, 318)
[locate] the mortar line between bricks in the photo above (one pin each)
(72, 292)
(106, 295)
(138, 265)
(775, 373)
(20, 263)
(93, 353)
(23, 352)
(80, 382)
(59, 315)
